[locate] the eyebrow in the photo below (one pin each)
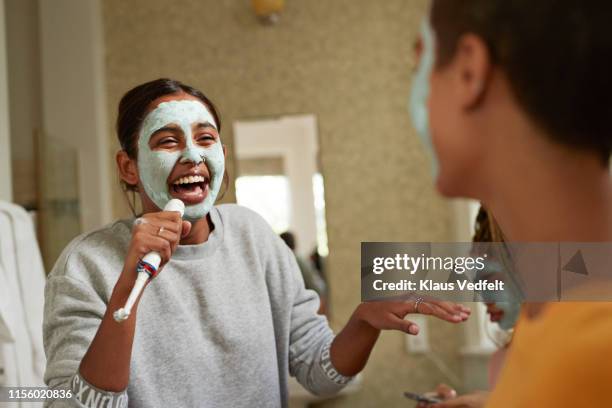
(204, 125)
(175, 128)
(168, 128)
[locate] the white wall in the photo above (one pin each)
(73, 96)
(6, 186)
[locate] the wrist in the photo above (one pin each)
(124, 283)
(119, 297)
(123, 288)
(360, 319)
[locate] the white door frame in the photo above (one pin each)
(74, 97)
(294, 138)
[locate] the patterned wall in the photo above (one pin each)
(347, 61)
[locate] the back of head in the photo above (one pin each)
(557, 55)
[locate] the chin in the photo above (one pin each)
(454, 187)
(447, 188)
(195, 214)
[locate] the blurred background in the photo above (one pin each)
(313, 98)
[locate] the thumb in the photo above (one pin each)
(186, 228)
(404, 325)
(445, 391)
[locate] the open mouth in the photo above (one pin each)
(190, 189)
(496, 316)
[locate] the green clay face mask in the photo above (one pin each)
(420, 91)
(155, 166)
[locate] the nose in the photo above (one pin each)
(192, 155)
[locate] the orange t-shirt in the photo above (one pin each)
(562, 358)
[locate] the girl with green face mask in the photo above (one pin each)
(503, 310)
(228, 317)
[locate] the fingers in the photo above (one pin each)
(442, 391)
(460, 402)
(156, 223)
(449, 311)
(165, 231)
(445, 392)
(159, 232)
(146, 243)
(474, 400)
(155, 220)
(163, 247)
(186, 229)
(403, 325)
(389, 315)
(451, 307)
(432, 309)
(173, 216)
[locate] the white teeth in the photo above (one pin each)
(189, 179)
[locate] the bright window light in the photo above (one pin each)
(268, 196)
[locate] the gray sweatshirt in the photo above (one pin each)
(222, 325)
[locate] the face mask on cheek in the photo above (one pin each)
(420, 90)
(512, 311)
(507, 300)
(154, 167)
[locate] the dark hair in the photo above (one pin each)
(486, 228)
(557, 55)
(289, 239)
(133, 109)
(134, 106)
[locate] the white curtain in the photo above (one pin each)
(22, 282)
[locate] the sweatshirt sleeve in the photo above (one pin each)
(73, 312)
(310, 339)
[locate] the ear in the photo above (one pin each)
(128, 169)
(473, 67)
(224, 151)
